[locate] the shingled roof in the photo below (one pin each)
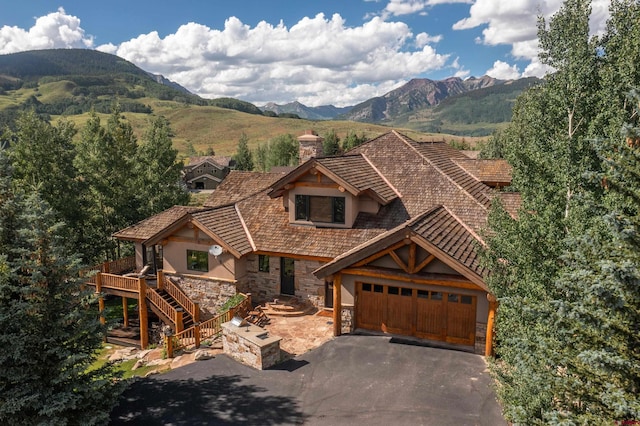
(225, 225)
(489, 171)
(423, 186)
(238, 185)
(153, 225)
(437, 230)
(352, 172)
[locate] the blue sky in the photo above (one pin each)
(315, 51)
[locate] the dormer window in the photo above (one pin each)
(322, 209)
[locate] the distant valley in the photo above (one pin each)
(71, 82)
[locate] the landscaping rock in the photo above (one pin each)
(160, 361)
(123, 354)
(143, 353)
(138, 364)
(202, 355)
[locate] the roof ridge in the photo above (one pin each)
(465, 226)
(382, 176)
(449, 178)
(244, 227)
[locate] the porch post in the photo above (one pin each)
(337, 305)
(100, 297)
(125, 312)
(160, 279)
(493, 304)
(142, 313)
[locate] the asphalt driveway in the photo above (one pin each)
(351, 380)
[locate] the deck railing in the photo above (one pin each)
(116, 267)
(118, 282)
(193, 336)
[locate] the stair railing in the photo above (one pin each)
(193, 336)
(180, 296)
(175, 315)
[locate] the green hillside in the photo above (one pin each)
(71, 82)
(475, 113)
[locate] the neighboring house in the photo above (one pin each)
(386, 236)
(206, 172)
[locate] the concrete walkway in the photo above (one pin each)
(350, 380)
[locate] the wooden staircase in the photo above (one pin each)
(187, 317)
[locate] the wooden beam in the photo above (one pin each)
(337, 305)
(293, 256)
(493, 305)
(100, 298)
(316, 185)
(142, 313)
(203, 241)
(398, 276)
(411, 264)
(125, 312)
(422, 264)
(379, 254)
(399, 261)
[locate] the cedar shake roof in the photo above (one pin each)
(238, 185)
(511, 202)
(226, 227)
(269, 227)
(151, 226)
(425, 176)
(206, 175)
(494, 171)
(436, 231)
(352, 172)
(220, 162)
(420, 185)
(443, 157)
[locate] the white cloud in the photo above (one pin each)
(317, 60)
(424, 39)
(503, 71)
(53, 31)
(514, 23)
(404, 7)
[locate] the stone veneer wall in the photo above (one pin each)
(265, 286)
(481, 337)
(242, 344)
(210, 294)
(348, 323)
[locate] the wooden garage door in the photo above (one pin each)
(436, 315)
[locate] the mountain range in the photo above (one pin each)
(78, 80)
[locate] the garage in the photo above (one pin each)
(443, 315)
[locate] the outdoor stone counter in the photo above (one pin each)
(251, 345)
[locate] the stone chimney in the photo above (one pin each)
(310, 145)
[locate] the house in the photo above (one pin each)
(206, 172)
(386, 236)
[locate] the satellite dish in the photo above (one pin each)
(215, 250)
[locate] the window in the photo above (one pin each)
(198, 260)
(320, 209)
(263, 263)
(467, 300)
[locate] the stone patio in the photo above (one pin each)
(300, 334)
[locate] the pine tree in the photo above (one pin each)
(598, 317)
(243, 157)
(351, 140)
(331, 144)
(42, 156)
(538, 260)
(106, 162)
(50, 332)
(159, 170)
